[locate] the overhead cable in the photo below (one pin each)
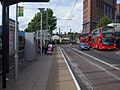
(57, 5)
(71, 11)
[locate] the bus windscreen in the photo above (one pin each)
(108, 29)
(108, 41)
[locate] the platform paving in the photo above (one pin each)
(47, 72)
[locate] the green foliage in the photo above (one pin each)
(104, 21)
(73, 35)
(34, 25)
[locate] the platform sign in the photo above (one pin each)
(26, 0)
(20, 11)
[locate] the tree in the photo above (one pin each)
(34, 25)
(104, 21)
(73, 35)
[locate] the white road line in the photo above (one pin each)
(108, 72)
(110, 65)
(75, 81)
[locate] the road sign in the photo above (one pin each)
(20, 11)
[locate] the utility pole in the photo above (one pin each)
(37, 44)
(46, 42)
(70, 37)
(47, 19)
(59, 31)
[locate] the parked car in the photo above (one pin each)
(84, 46)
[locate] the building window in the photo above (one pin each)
(86, 4)
(105, 9)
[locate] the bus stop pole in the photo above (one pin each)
(7, 28)
(5, 44)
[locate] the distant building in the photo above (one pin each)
(65, 38)
(117, 13)
(116, 26)
(93, 10)
(56, 37)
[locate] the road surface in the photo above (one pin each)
(94, 70)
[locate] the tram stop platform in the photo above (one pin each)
(47, 72)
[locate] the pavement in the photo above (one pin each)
(47, 72)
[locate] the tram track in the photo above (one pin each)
(77, 62)
(87, 84)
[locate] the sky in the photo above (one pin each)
(63, 9)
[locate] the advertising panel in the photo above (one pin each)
(11, 42)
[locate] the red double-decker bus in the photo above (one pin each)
(86, 38)
(103, 38)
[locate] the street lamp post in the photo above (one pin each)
(41, 34)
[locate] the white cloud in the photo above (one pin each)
(77, 15)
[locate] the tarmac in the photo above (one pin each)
(117, 52)
(47, 72)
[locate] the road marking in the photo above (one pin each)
(108, 72)
(118, 52)
(75, 81)
(110, 65)
(115, 65)
(82, 76)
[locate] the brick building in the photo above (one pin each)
(117, 14)
(93, 10)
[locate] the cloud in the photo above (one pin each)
(118, 1)
(63, 10)
(76, 16)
